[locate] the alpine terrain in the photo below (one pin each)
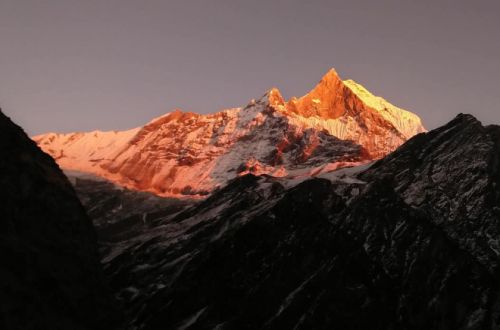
(336, 210)
(337, 124)
(408, 242)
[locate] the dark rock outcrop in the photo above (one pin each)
(50, 276)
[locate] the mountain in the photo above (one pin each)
(453, 173)
(409, 242)
(50, 277)
(337, 124)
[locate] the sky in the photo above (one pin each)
(82, 65)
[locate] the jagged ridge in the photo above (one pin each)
(337, 124)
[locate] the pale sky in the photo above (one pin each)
(79, 65)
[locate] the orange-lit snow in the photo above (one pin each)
(190, 154)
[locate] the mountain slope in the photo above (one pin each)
(363, 248)
(335, 125)
(453, 174)
(50, 276)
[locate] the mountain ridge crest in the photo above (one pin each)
(185, 153)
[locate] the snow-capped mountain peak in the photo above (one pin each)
(337, 124)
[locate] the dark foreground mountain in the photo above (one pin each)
(50, 276)
(410, 243)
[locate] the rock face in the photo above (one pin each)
(338, 124)
(453, 174)
(408, 243)
(50, 276)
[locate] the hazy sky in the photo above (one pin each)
(76, 65)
